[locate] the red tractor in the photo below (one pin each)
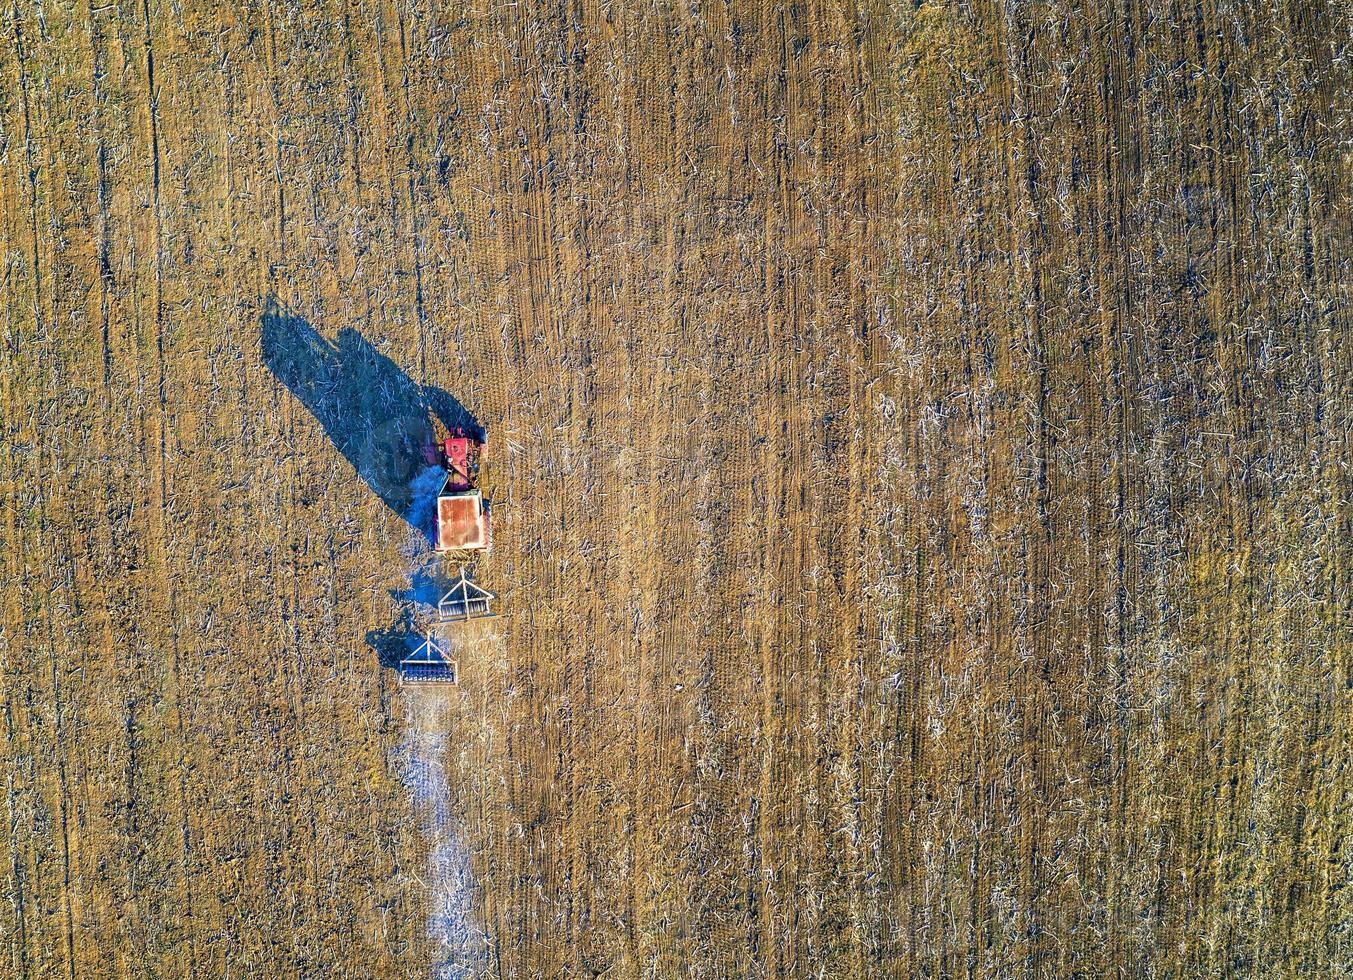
(462, 517)
(462, 526)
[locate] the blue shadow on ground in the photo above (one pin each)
(426, 585)
(374, 413)
(396, 642)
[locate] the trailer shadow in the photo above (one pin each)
(374, 413)
(394, 643)
(426, 586)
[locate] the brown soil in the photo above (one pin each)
(920, 448)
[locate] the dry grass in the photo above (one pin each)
(921, 466)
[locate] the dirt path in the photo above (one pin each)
(447, 884)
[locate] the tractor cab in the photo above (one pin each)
(462, 513)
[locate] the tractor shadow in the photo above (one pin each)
(374, 413)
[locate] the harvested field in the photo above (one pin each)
(920, 462)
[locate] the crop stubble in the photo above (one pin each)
(920, 461)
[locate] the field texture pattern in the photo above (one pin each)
(920, 453)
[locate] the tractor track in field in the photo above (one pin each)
(460, 946)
